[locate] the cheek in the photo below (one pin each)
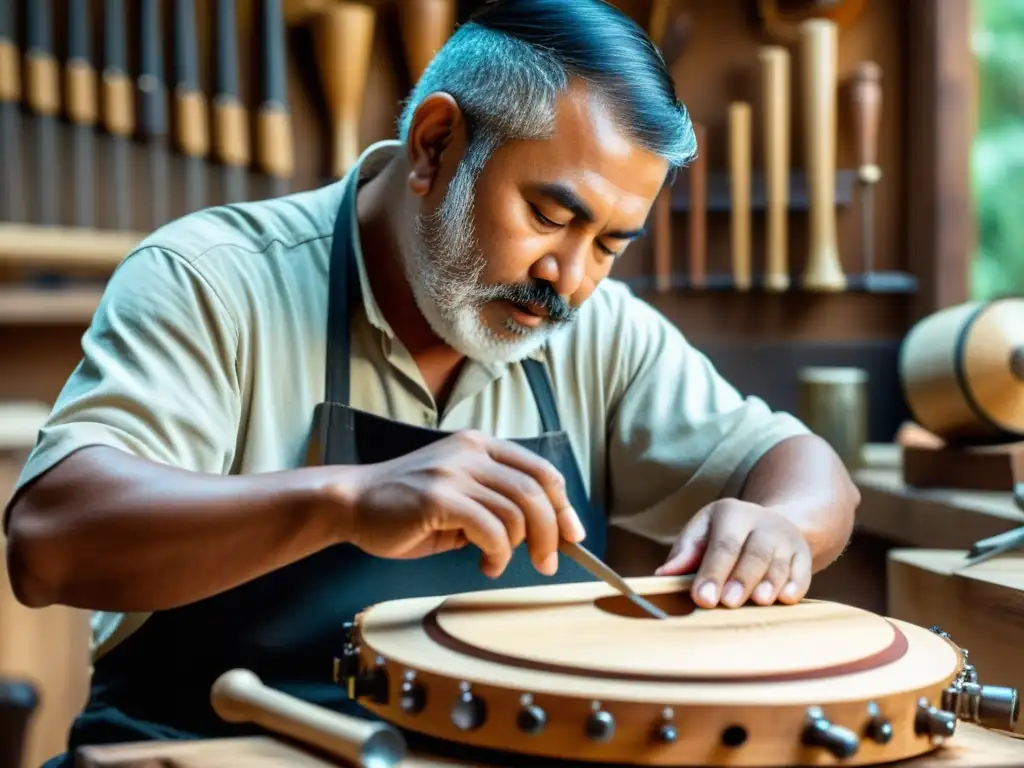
(510, 246)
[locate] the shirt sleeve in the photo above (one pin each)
(679, 435)
(157, 374)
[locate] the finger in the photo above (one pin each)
(546, 476)
(540, 518)
(688, 548)
(767, 592)
(726, 536)
(759, 553)
(458, 512)
(508, 512)
(799, 578)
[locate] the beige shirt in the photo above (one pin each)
(207, 353)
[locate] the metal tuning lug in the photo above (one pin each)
(600, 725)
(991, 706)
(666, 732)
(935, 723)
(820, 732)
(531, 719)
(878, 729)
(470, 711)
(359, 683)
(939, 631)
(412, 697)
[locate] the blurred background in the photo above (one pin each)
(857, 173)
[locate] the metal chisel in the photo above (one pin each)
(594, 565)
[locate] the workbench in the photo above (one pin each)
(972, 747)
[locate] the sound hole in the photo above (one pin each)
(734, 736)
(672, 603)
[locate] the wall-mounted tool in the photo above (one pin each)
(230, 118)
(275, 143)
(11, 191)
(818, 67)
(344, 43)
(866, 104)
(739, 185)
(191, 119)
(775, 79)
(426, 26)
(42, 94)
(82, 108)
(152, 103)
(118, 109)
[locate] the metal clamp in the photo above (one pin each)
(990, 706)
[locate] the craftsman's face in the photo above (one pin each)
(500, 264)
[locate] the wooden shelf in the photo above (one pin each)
(42, 306)
(719, 200)
(877, 282)
(77, 248)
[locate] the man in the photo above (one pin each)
(415, 381)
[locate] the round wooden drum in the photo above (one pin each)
(579, 672)
(962, 371)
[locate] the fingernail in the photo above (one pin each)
(733, 594)
(578, 531)
(550, 564)
(790, 590)
(708, 592)
(763, 593)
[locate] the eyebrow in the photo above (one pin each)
(568, 199)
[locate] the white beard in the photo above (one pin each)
(443, 270)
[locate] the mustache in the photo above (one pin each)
(541, 294)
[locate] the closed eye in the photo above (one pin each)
(542, 218)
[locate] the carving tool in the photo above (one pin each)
(230, 121)
(775, 69)
(191, 122)
(589, 561)
(698, 213)
(344, 43)
(1008, 541)
(153, 107)
(42, 81)
(866, 103)
(11, 189)
(275, 143)
(426, 26)
(739, 187)
(117, 104)
(81, 106)
(818, 46)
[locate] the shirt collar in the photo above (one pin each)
(369, 164)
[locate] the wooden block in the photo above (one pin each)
(972, 747)
(980, 606)
(988, 468)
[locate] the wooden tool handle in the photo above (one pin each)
(275, 141)
(775, 73)
(866, 93)
(10, 71)
(116, 89)
(42, 73)
(80, 96)
(426, 26)
(239, 696)
(191, 121)
(698, 215)
(818, 44)
(739, 186)
(344, 43)
(230, 118)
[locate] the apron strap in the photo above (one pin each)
(543, 394)
(342, 287)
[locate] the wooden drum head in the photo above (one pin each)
(578, 672)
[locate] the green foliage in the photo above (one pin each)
(997, 162)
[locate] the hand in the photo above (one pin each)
(466, 488)
(744, 550)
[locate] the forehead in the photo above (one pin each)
(591, 153)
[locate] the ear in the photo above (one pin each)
(437, 132)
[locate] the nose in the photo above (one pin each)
(564, 269)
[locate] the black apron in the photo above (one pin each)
(288, 626)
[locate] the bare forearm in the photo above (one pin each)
(107, 531)
(804, 479)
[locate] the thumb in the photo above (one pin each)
(689, 547)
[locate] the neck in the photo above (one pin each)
(385, 230)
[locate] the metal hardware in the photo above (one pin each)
(358, 682)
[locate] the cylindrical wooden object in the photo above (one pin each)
(775, 68)
(698, 213)
(833, 403)
(739, 186)
(239, 696)
(426, 26)
(344, 42)
(818, 66)
(962, 371)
